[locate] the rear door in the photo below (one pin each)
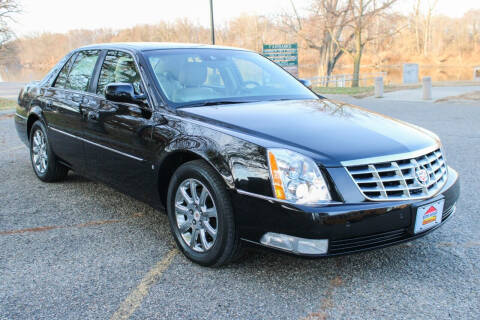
(119, 134)
(63, 107)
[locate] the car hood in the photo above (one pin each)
(330, 131)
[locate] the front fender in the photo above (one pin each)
(204, 148)
(37, 112)
(242, 164)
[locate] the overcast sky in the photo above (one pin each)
(64, 15)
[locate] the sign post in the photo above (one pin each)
(285, 55)
(212, 25)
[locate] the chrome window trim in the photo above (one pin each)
(97, 144)
(390, 158)
(94, 94)
(271, 199)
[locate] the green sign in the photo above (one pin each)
(285, 55)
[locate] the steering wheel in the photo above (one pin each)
(250, 84)
(246, 85)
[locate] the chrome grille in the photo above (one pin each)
(397, 179)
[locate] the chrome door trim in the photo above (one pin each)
(20, 116)
(96, 144)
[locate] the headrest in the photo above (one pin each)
(193, 74)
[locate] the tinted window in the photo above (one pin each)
(63, 75)
(118, 67)
(214, 78)
(194, 76)
(249, 71)
(82, 69)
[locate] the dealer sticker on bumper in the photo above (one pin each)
(428, 216)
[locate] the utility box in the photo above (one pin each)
(476, 74)
(410, 73)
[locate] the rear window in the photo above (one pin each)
(63, 75)
(80, 73)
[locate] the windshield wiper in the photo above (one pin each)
(213, 103)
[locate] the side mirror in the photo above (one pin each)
(306, 83)
(123, 92)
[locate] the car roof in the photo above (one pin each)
(147, 46)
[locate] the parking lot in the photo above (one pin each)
(81, 250)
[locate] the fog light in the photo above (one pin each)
(295, 244)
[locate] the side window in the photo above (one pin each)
(63, 75)
(82, 70)
(118, 67)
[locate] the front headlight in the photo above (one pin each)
(296, 178)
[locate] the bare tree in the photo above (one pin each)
(427, 38)
(8, 9)
(326, 21)
(472, 20)
(362, 14)
(326, 31)
(417, 24)
(334, 14)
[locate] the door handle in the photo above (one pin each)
(160, 120)
(93, 115)
(135, 110)
(77, 98)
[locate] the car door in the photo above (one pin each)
(63, 107)
(119, 144)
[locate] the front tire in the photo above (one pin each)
(44, 162)
(201, 215)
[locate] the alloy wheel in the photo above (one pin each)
(196, 215)
(39, 152)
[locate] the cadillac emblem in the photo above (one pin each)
(422, 176)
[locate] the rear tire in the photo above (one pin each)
(204, 215)
(44, 162)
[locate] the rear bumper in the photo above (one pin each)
(349, 227)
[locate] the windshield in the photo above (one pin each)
(206, 76)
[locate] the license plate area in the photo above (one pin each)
(428, 216)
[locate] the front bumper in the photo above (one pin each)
(349, 227)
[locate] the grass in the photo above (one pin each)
(6, 104)
(346, 90)
(362, 92)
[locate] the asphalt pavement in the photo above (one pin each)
(416, 95)
(81, 250)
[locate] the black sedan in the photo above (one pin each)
(236, 150)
